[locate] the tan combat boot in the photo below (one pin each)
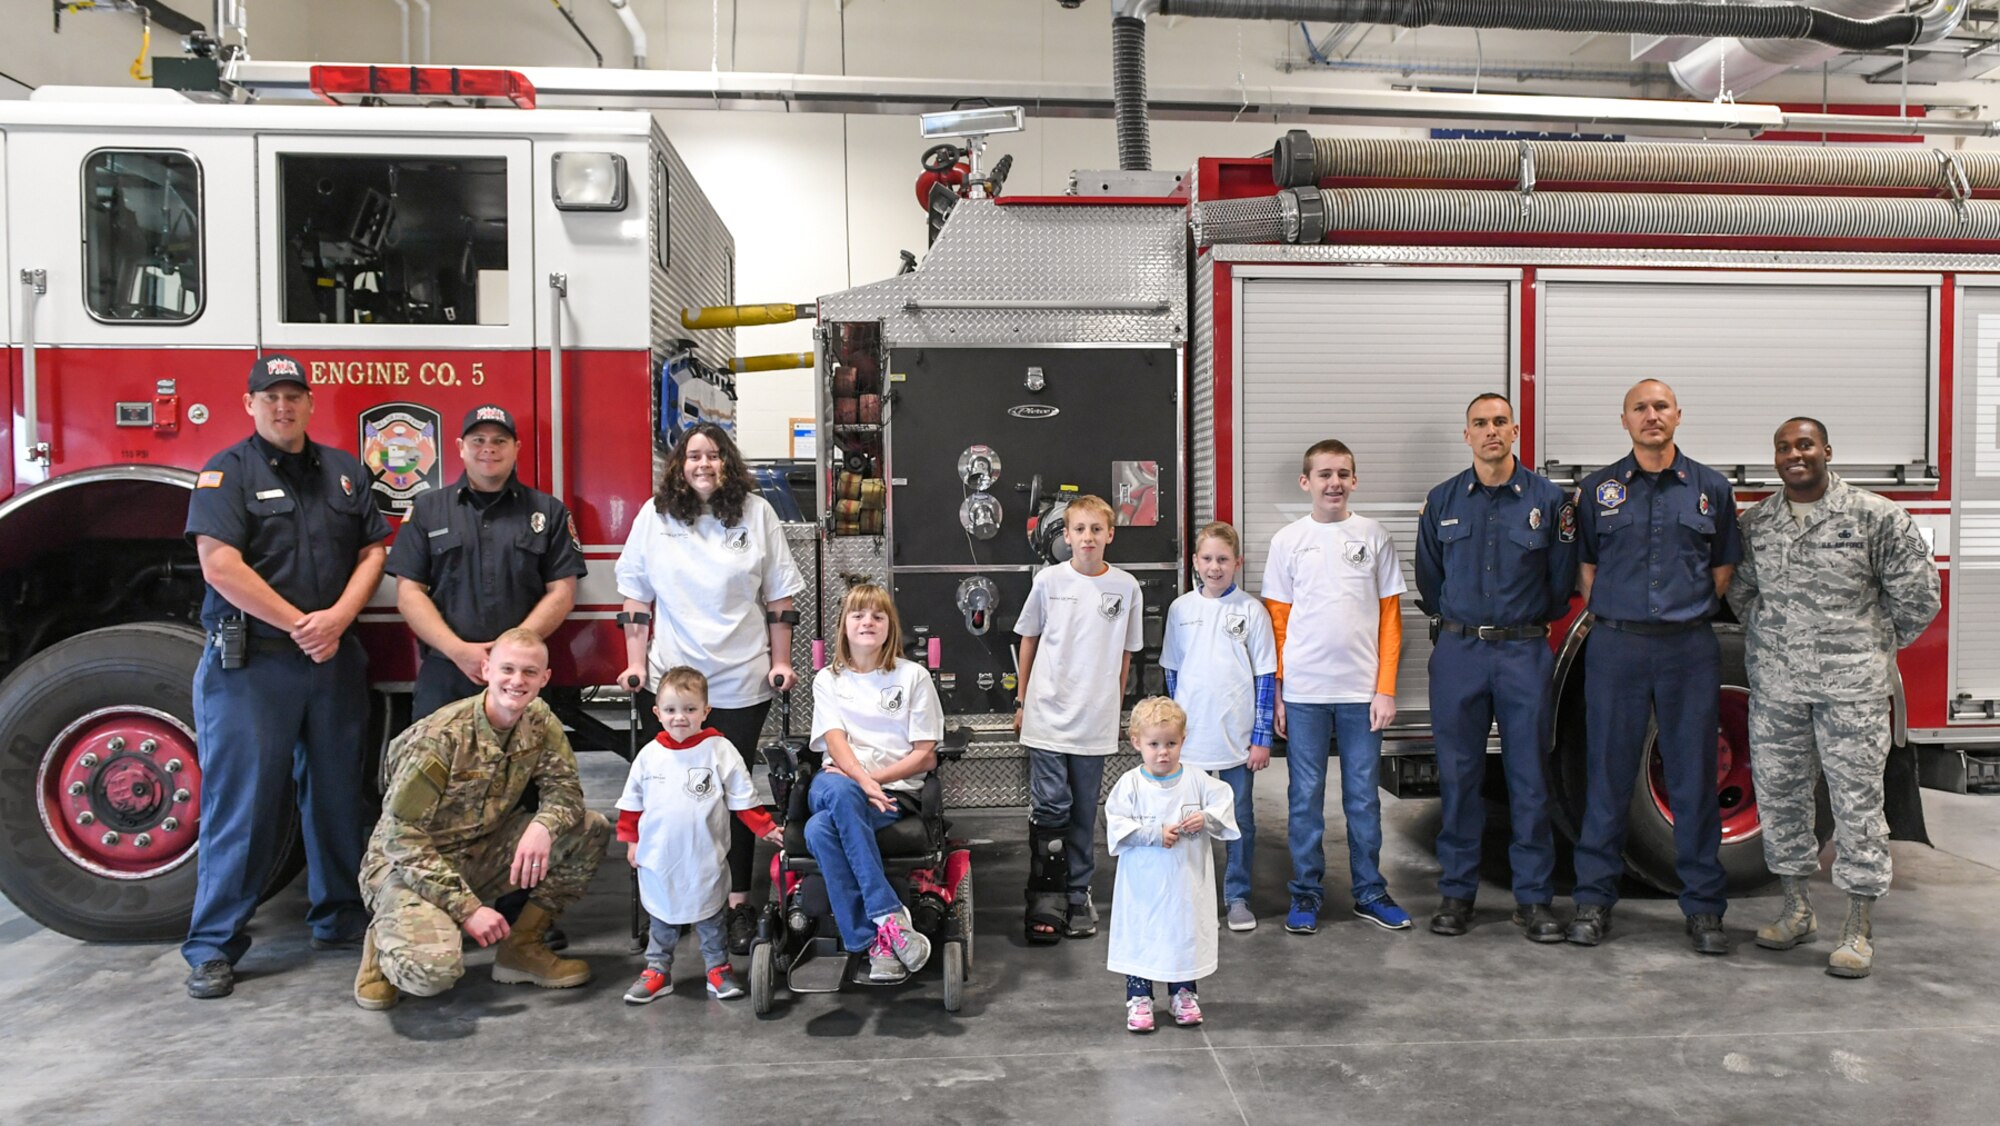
(1856, 955)
(1795, 922)
(525, 959)
(372, 991)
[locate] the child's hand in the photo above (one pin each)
(632, 855)
(1278, 718)
(1381, 711)
(776, 836)
(1260, 757)
(877, 797)
(1169, 835)
(1194, 822)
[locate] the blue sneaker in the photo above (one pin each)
(1385, 914)
(1303, 918)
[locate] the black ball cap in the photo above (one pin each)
(276, 368)
(488, 412)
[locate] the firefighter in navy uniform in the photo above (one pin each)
(1659, 542)
(479, 558)
(291, 548)
(1496, 562)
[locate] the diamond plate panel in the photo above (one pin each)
(803, 540)
(1058, 253)
(995, 776)
(1201, 397)
(1582, 256)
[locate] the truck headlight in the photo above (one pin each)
(590, 181)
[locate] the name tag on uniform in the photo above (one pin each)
(1447, 523)
(270, 494)
(436, 532)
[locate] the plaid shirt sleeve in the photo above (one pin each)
(1262, 727)
(1172, 680)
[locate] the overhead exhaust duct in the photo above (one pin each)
(1702, 20)
(1299, 160)
(1306, 215)
(1731, 66)
(633, 31)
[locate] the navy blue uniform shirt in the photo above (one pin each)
(300, 521)
(486, 559)
(1656, 539)
(1502, 556)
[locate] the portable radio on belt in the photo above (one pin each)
(232, 642)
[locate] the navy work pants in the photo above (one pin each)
(279, 722)
(1472, 683)
(439, 683)
(1673, 679)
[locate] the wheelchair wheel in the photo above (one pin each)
(961, 902)
(763, 978)
(954, 976)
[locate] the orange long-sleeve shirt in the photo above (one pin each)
(1388, 639)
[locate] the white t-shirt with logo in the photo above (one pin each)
(1218, 647)
(884, 714)
(708, 585)
(684, 797)
(1335, 577)
(1086, 624)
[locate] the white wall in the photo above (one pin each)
(818, 202)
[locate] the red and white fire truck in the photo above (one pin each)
(419, 260)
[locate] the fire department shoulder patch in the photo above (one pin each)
(399, 447)
(573, 537)
(1566, 522)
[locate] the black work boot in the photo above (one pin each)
(1707, 935)
(1538, 922)
(742, 928)
(213, 978)
(1592, 923)
(1454, 916)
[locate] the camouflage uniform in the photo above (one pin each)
(1825, 607)
(449, 829)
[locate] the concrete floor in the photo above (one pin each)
(1351, 1025)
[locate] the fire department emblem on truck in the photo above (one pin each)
(399, 445)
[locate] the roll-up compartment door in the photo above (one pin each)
(1387, 365)
(1742, 356)
(1975, 541)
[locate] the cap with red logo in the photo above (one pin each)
(489, 412)
(271, 370)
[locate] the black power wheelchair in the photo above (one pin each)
(798, 944)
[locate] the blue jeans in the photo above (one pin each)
(1062, 794)
(710, 933)
(841, 835)
(1236, 853)
(1309, 728)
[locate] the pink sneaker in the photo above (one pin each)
(1138, 1014)
(1186, 1008)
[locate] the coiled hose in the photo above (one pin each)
(1128, 94)
(1618, 17)
(1589, 213)
(1299, 159)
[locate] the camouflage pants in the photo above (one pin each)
(417, 945)
(1790, 744)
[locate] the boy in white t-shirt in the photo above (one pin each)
(1221, 661)
(674, 816)
(1079, 627)
(1331, 584)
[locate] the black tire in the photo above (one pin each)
(962, 903)
(150, 664)
(954, 976)
(1649, 842)
(763, 979)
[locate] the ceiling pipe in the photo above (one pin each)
(1722, 67)
(424, 47)
(632, 29)
(404, 7)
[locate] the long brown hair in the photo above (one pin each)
(673, 496)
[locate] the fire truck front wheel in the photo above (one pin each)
(1649, 845)
(100, 785)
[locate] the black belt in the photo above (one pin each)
(1652, 629)
(1493, 633)
(261, 643)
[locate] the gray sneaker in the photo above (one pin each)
(899, 950)
(1240, 918)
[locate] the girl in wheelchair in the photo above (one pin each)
(877, 722)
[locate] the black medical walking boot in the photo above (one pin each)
(1453, 917)
(213, 978)
(1592, 923)
(1707, 935)
(1539, 923)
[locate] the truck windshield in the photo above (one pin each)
(394, 239)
